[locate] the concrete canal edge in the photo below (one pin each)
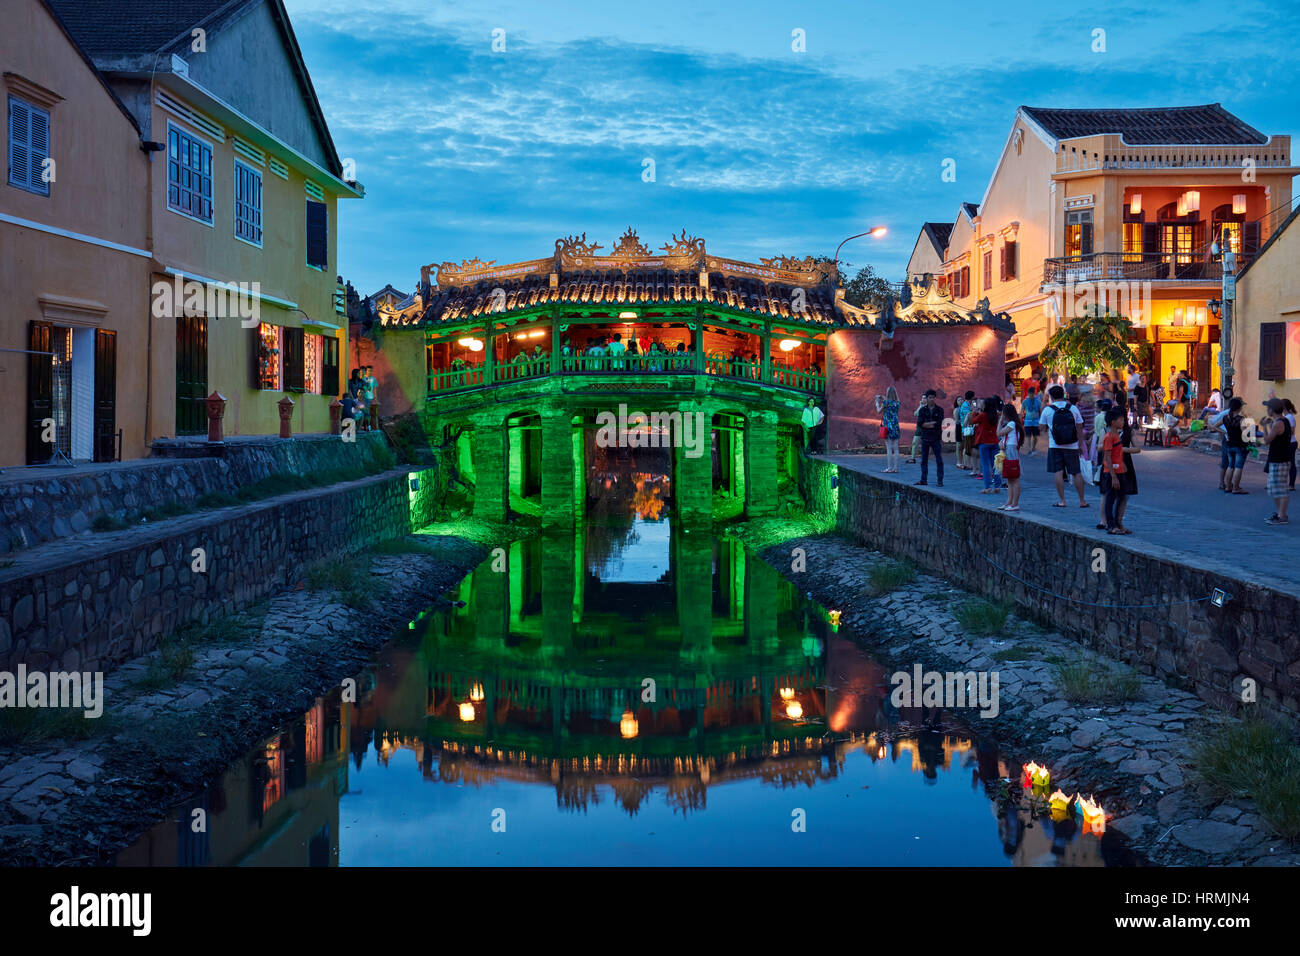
(1146, 609)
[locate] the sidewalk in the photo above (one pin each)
(1178, 511)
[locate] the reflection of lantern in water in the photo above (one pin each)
(880, 754)
(787, 693)
(475, 692)
(467, 712)
(628, 726)
(794, 710)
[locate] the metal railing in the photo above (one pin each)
(445, 380)
(1113, 266)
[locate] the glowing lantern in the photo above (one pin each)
(475, 692)
(1182, 205)
(788, 345)
(467, 712)
(1060, 805)
(1192, 199)
(1035, 777)
(1135, 204)
(627, 315)
(628, 726)
(794, 710)
(1239, 204)
(834, 617)
(787, 693)
(474, 345)
(1094, 817)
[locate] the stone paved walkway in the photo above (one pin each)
(1178, 511)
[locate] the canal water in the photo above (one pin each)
(630, 693)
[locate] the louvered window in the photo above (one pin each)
(189, 175)
(29, 147)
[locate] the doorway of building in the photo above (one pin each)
(191, 374)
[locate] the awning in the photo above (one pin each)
(1021, 362)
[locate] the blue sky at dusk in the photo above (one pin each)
(757, 148)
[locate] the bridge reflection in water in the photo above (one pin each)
(620, 694)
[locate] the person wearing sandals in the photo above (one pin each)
(1278, 437)
(1129, 478)
(1236, 448)
(1289, 410)
(1063, 423)
(1112, 456)
(1010, 437)
(986, 440)
(888, 405)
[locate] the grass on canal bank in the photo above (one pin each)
(1256, 759)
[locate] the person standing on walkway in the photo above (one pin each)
(1235, 449)
(968, 431)
(1112, 452)
(812, 418)
(1278, 436)
(1032, 406)
(888, 405)
(1010, 437)
(929, 425)
(1064, 424)
(1129, 478)
(986, 440)
(1289, 410)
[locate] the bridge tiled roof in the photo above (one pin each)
(579, 276)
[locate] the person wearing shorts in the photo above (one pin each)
(1063, 458)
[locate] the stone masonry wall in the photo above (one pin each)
(1181, 637)
(72, 607)
(64, 502)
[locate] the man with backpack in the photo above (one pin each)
(1064, 425)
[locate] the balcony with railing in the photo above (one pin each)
(778, 375)
(1109, 151)
(1133, 266)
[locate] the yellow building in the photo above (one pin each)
(74, 262)
(242, 209)
(1119, 208)
(1266, 321)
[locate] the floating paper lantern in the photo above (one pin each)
(1036, 778)
(1094, 817)
(834, 617)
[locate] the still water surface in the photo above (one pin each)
(628, 694)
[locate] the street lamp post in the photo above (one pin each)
(1223, 245)
(875, 232)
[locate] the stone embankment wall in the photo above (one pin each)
(94, 601)
(64, 502)
(1144, 608)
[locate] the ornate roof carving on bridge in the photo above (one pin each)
(582, 274)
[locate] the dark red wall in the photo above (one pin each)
(950, 359)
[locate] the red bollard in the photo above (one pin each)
(336, 416)
(216, 403)
(286, 414)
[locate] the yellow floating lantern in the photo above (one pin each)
(1060, 805)
(834, 617)
(1036, 778)
(1094, 817)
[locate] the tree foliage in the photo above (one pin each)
(1092, 342)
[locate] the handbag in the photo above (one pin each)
(884, 432)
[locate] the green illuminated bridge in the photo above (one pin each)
(525, 362)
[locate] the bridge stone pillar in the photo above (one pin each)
(760, 463)
(559, 558)
(762, 589)
(492, 479)
(693, 581)
(559, 444)
(693, 476)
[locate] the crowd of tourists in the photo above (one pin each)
(358, 399)
(1088, 431)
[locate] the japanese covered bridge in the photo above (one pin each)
(524, 363)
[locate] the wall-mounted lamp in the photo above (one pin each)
(1220, 597)
(1239, 204)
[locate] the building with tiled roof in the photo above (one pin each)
(1119, 209)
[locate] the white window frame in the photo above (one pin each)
(210, 223)
(261, 203)
(36, 186)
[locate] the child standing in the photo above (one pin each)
(1112, 457)
(1032, 405)
(1010, 436)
